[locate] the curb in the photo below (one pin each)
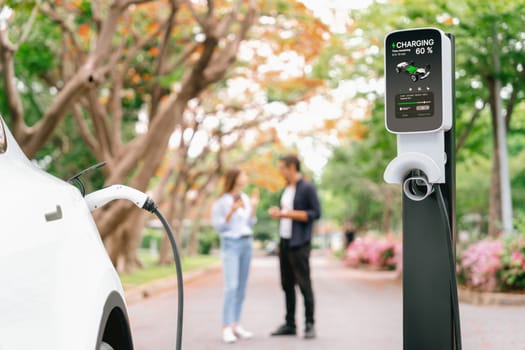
(489, 299)
(138, 293)
(466, 296)
(371, 275)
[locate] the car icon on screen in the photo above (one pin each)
(416, 73)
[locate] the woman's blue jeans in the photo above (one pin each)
(236, 257)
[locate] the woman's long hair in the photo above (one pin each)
(230, 178)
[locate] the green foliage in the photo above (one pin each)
(472, 187)
(65, 155)
(35, 59)
(333, 63)
(86, 13)
(472, 22)
(151, 237)
(266, 228)
(208, 239)
(262, 236)
(277, 93)
(353, 185)
(167, 80)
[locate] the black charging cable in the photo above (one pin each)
(152, 208)
(107, 194)
(452, 266)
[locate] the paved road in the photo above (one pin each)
(352, 313)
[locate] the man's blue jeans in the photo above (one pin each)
(236, 257)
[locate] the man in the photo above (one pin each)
(349, 229)
(297, 213)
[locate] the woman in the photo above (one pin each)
(233, 216)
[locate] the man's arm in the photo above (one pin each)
(297, 215)
(313, 213)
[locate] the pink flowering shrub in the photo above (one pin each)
(479, 263)
(494, 265)
(512, 272)
(377, 253)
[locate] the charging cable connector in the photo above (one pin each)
(105, 195)
(102, 197)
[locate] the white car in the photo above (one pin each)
(59, 289)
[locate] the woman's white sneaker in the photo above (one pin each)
(242, 333)
(228, 336)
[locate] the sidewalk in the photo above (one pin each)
(351, 313)
(151, 289)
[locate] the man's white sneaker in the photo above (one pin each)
(228, 336)
(242, 333)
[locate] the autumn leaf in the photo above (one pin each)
(449, 21)
(135, 78)
(263, 172)
(152, 27)
(83, 30)
(330, 124)
(154, 51)
(357, 131)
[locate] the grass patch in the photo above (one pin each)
(152, 271)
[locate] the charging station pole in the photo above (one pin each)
(419, 104)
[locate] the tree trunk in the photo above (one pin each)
(193, 245)
(112, 244)
(494, 223)
(133, 239)
(123, 245)
(193, 242)
(108, 220)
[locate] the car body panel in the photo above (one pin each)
(56, 275)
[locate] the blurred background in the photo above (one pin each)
(171, 93)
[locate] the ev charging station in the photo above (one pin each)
(419, 109)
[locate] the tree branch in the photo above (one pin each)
(29, 24)
(134, 2)
(198, 18)
(211, 8)
(115, 98)
(224, 25)
(72, 91)
(468, 128)
(161, 62)
(97, 16)
(227, 56)
(190, 49)
(100, 122)
(53, 15)
(90, 140)
(14, 100)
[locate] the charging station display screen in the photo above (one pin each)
(417, 104)
(414, 80)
